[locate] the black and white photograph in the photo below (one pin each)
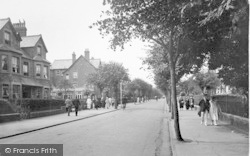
(124, 78)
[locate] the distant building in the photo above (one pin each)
(223, 89)
(76, 72)
(24, 72)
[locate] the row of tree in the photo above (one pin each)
(110, 76)
(184, 34)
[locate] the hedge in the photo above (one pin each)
(41, 104)
(5, 107)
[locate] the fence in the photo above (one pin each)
(234, 105)
(230, 104)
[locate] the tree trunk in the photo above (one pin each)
(172, 105)
(173, 88)
(168, 96)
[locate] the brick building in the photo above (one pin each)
(76, 72)
(24, 72)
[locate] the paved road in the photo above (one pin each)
(136, 131)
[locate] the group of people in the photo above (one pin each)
(92, 103)
(188, 102)
(140, 99)
(70, 103)
(208, 107)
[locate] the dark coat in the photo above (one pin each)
(76, 103)
(204, 105)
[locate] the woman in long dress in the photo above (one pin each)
(214, 111)
(89, 102)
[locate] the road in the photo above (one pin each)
(136, 131)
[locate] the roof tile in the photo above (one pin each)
(29, 41)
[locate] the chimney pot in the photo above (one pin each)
(86, 52)
(73, 57)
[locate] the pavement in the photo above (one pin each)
(201, 140)
(14, 128)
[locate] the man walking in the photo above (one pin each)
(68, 103)
(76, 104)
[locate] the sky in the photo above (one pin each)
(64, 26)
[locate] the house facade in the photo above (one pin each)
(24, 72)
(75, 71)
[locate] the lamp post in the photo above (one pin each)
(121, 92)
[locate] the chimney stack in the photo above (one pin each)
(20, 28)
(86, 52)
(73, 57)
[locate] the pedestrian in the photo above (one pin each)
(103, 102)
(93, 102)
(69, 104)
(107, 103)
(187, 104)
(214, 111)
(138, 99)
(98, 103)
(181, 103)
(89, 102)
(124, 102)
(76, 104)
(191, 103)
(204, 109)
(112, 101)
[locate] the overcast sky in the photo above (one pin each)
(64, 25)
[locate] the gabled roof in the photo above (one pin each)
(61, 64)
(77, 61)
(95, 62)
(3, 22)
(31, 41)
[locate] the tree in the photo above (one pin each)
(188, 86)
(207, 81)
(139, 87)
(97, 79)
(65, 85)
(221, 30)
(232, 55)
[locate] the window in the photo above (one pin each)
(4, 62)
(5, 91)
(46, 93)
(7, 38)
(67, 76)
(38, 70)
(75, 75)
(38, 93)
(16, 91)
(39, 50)
(45, 72)
(58, 72)
(26, 68)
(15, 64)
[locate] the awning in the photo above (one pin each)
(31, 82)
